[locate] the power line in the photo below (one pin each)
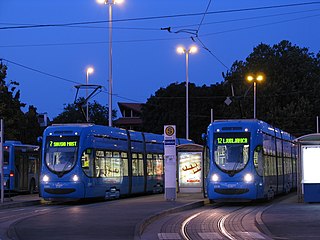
(259, 25)
(38, 71)
(158, 17)
(97, 42)
(58, 77)
(203, 17)
(247, 18)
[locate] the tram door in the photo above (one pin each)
(21, 169)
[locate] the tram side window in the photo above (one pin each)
(159, 164)
(150, 171)
(100, 163)
(87, 162)
(137, 164)
(108, 164)
(6, 157)
(124, 157)
(154, 164)
(258, 160)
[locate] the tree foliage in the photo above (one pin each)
(72, 113)
(288, 98)
(17, 125)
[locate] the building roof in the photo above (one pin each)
(137, 107)
(128, 121)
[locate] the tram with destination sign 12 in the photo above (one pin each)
(21, 167)
(87, 161)
(248, 160)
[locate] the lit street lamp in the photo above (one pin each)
(110, 3)
(255, 78)
(89, 71)
(182, 50)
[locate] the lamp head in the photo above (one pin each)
(180, 50)
(90, 70)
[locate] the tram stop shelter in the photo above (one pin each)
(190, 170)
(308, 168)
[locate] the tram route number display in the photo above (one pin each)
(63, 143)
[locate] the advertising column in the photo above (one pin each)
(170, 160)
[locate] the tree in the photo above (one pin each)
(98, 114)
(17, 125)
(32, 129)
(167, 106)
(288, 98)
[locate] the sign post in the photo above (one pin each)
(1, 160)
(170, 158)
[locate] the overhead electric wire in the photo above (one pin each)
(247, 18)
(259, 25)
(204, 15)
(57, 77)
(159, 17)
(155, 39)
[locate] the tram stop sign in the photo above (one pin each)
(170, 157)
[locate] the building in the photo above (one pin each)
(131, 116)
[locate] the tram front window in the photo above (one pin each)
(61, 153)
(231, 151)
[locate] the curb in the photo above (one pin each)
(260, 224)
(141, 226)
(20, 204)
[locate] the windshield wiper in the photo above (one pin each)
(236, 164)
(60, 174)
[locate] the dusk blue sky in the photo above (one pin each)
(144, 56)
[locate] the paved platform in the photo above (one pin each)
(286, 219)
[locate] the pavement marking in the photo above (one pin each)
(209, 235)
(251, 235)
(169, 236)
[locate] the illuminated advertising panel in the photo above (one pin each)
(190, 169)
(310, 164)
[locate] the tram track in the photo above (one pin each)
(221, 221)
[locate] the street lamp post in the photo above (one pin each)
(182, 50)
(255, 78)
(110, 3)
(89, 71)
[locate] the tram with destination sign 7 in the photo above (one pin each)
(248, 160)
(88, 161)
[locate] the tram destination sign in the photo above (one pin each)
(232, 140)
(63, 143)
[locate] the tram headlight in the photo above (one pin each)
(75, 178)
(248, 178)
(215, 178)
(45, 178)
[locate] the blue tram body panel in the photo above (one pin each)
(87, 161)
(248, 160)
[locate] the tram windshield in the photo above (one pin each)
(231, 151)
(61, 153)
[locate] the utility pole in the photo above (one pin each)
(1, 160)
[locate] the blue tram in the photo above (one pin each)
(248, 160)
(86, 161)
(21, 167)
